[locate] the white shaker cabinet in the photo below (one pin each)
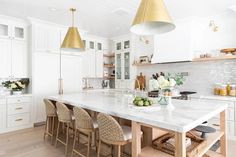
(99, 64)
(13, 58)
(71, 73)
(3, 114)
(48, 39)
(45, 80)
(5, 56)
(19, 59)
(92, 64)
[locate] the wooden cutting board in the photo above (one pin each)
(140, 82)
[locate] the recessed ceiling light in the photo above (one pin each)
(53, 9)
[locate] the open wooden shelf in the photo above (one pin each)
(214, 58)
(143, 64)
(211, 140)
(108, 65)
(109, 55)
(214, 154)
(109, 77)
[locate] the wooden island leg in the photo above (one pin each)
(136, 139)
(180, 146)
(223, 139)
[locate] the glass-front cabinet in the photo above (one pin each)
(122, 50)
(4, 30)
(118, 66)
(126, 65)
(12, 31)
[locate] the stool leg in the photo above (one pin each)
(67, 137)
(74, 143)
(45, 130)
(88, 148)
(99, 147)
(119, 152)
(52, 130)
(58, 127)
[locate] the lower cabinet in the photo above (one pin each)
(3, 115)
(15, 113)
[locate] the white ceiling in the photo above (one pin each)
(107, 18)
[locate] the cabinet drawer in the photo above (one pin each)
(18, 120)
(18, 108)
(18, 100)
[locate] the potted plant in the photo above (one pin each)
(15, 86)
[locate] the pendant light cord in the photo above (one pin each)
(73, 16)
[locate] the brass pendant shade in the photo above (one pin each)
(72, 40)
(152, 18)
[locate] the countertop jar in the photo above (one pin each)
(232, 91)
(217, 89)
(223, 90)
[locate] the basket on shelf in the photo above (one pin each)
(193, 150)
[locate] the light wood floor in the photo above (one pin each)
(30, 143)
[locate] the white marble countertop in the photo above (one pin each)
(214, 97)
(14, 96)
(186, 115)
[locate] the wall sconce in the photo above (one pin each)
(144, 40)
(213, 26)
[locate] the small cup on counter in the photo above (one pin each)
(232, 91)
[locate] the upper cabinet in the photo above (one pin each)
(13, 45)
(179, 44)
(122, 59)
(47, 39)
(12, 30)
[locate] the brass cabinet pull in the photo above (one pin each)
(17, 120)
(18, 108)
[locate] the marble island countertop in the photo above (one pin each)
(186, 115)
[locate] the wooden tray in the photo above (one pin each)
(197, 144)
(228, 50)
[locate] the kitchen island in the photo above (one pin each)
(186, 116)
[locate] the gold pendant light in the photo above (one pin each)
(152, 18)
(72, 41)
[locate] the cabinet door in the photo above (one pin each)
(3, 116)
(126, 65)
(91, 64)
(45, 81)
(118, 66)
(19, 32)
(40, 38)
(53, 44)
(99, 64)
(5, 56)
(4, 30)
(19, 59)
(71, 73)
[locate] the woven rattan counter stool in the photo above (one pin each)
(111, 132)
(64, 117)
(86, 125)
(51, 115)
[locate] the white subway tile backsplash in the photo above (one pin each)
(202, 75)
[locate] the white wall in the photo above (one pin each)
(223, 38)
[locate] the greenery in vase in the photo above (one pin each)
(14, 85)
(169, 81)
